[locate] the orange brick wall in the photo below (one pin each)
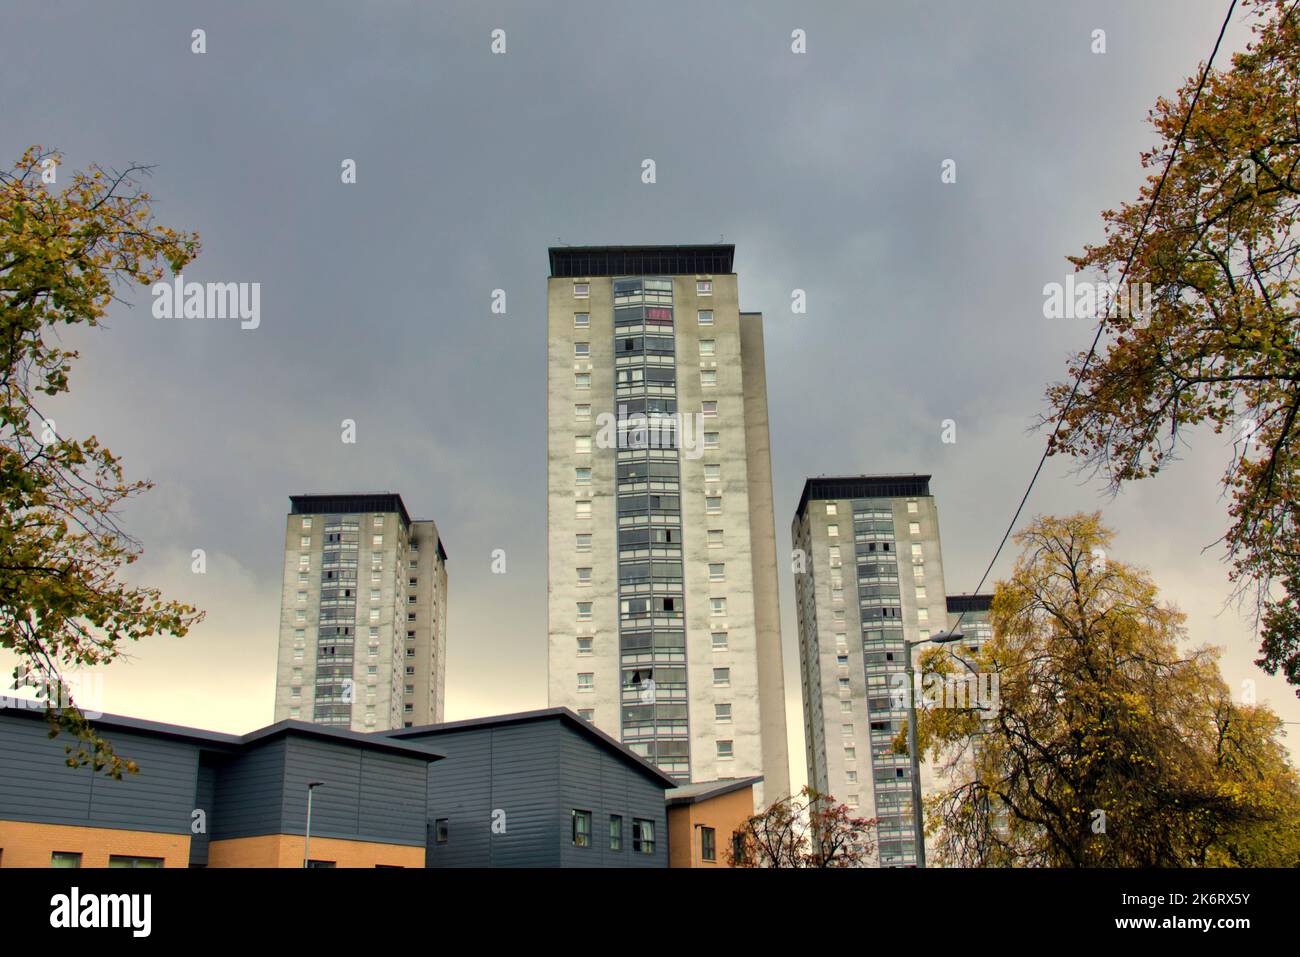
(724, 814)
(25, 844)
(285, 850)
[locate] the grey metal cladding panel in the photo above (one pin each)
(525, 775)
(249, 794)
(460, 790)
(37, 785)
(393, 792)
(204, 799)
(336, 806)
(594, 779)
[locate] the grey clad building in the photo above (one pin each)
(663, 624)
(540, 789)
(205, 799)
(870, 575)
(363, 614)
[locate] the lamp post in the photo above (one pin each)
(306, 844)
(942, 638)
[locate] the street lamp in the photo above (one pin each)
(942, 638)
(306, 844)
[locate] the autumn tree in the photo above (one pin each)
(1110, 744)
(64, 254)
(1219, 346)
(804, 830)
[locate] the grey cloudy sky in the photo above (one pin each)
(925, 300)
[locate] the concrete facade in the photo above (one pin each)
(871, 577)
(363, 614)
(716, 707)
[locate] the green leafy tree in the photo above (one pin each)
(63, 604)
(1220, 346)
(1110, 744)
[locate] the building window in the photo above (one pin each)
(715, 538)
(306, 522)
(846, 730)
(725, 750)
(584, 611)
(713, 473)
(581, 828)
(582, 542)
(708, 348)
(440, 831)
(643, 836)
(65, 859)
(306, 541)
(718, 607)
(722, 712)
(587, 714)
(582, 319)
(582, 411)
(582, 509)
(832, 508)
(582, 380)
(377, 541)
(582, 350)
(738, 847)
(717, 571)
(584, 576)
(708, 844)
(586, 681)
(713, 504)
(704, 287)
(911, 508)
(582, 444)
(616, 832)
(722, 678)
(584, 646)
(581, 290)
(914, 528)
(709, 409)
(719, 641)
(832, 531)
(125, 860)
(708, 377)
(712, 440)
(705, 317)
(582, 476)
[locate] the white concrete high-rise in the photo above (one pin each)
(363, 614)
(871, 578)
(663, 621)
